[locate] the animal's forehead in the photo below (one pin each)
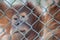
(23, 13)
(20, 14)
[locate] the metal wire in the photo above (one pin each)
(45, 33)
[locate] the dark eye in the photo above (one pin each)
(23, 16)
(17, 24)
(17, 32)
(15, 18)
(22, 30)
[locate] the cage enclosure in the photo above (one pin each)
(29, 19)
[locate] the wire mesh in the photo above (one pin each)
(29, 20)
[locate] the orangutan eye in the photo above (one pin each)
(17, 24)
(1, 30)
(23, 16)
(15, 18)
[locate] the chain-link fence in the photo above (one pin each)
(29, 19)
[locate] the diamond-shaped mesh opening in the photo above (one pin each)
(31, 19)
(4, 21)
(3, 6)
(45, 18)
(31, 35)
(38, 25)
(57, 16)
(53, 9)
(10, 12)
(53, 25)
